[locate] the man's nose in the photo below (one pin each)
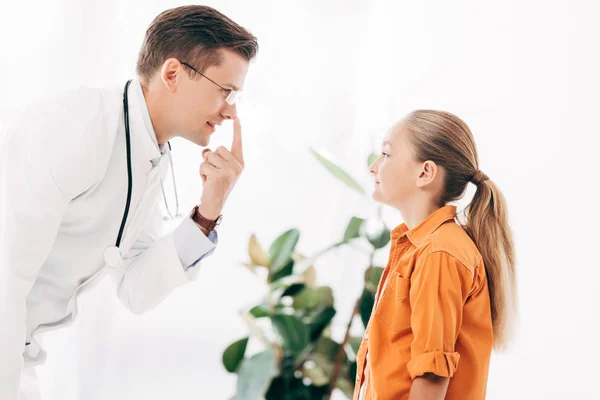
(229, 111)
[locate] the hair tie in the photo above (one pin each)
(479, 177)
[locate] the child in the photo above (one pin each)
(448, 290)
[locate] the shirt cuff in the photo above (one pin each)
(191, 244)
(436, 362)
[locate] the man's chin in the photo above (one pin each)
(201, 139)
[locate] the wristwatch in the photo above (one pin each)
(208, 224)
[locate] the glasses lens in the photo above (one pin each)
(234, 98)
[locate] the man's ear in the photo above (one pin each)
(429, 172)
(170, 74)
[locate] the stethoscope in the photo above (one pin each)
(112, 254)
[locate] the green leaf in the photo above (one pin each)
(234, 354)
(353, 228)
(326, 296)
(294, 333)
(282, 249)
(327, 347)
(260, 311)
(290, 388)
(376, 232)
(293, 289)
(256, 253)
(372, 158)
(310, 276)
(281, 284)
(319, 320)
(372, 278)
(333, 166)
(380, 240)
(256, 374)
(306, 299)
(311, 298)
(285, 282)
(283, 272)
(367, 299)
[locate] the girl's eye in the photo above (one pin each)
(385, 154)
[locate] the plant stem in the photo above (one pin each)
(254, 328)
(340, 355)
(325, 250)
(308, 261)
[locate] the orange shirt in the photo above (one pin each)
(432, 308)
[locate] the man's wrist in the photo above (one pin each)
(209, 212)
(203, 229)
(204, 223)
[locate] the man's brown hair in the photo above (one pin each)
(192, 34)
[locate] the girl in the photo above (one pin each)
(446, 295)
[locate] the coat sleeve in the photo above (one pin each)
(39, 175)
(157, 264)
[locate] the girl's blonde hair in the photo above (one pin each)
(446, 140)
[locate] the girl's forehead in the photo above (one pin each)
(395, 135)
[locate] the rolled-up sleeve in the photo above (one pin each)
(439, 288)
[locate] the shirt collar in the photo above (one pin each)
(429, 225)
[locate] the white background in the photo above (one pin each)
(336, 74)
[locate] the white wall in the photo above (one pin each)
(333, 74)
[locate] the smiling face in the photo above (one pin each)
(396, 170)
(197, 105)
(191, 58)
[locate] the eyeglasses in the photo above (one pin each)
(233, 96)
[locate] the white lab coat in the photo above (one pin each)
(63, 188)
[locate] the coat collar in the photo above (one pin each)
(141, 125)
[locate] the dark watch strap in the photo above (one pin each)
(207, 224)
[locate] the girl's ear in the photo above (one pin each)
(427, 173)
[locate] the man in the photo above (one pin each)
(80, 184)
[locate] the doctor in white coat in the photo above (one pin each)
(80, 184)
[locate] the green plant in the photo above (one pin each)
(299, 359)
